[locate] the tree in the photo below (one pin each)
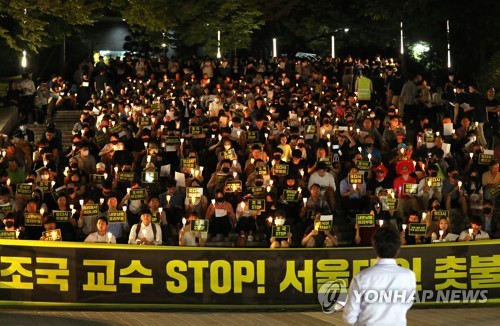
(34, 24)
(193, 22)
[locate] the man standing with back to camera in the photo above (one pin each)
(385, 277)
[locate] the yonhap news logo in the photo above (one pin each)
(332, 296)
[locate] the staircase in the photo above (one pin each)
(64, 121)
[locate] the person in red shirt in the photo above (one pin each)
(406, 201)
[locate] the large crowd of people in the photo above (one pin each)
(280, 153)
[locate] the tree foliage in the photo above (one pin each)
(34, 24)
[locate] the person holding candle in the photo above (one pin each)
(118, 230)
(443, 231)
(101, 235)
(405, 201)
(49, 224)
(454, 195)
(353, 196)
(221, 216)
(325, 181)
(279, 220)
(245, 219)
(474, 232)
(190, 238)
(145, 232)
(427, 189)
(194, 204)
(68, 228)
(15, 172)
(406, 238)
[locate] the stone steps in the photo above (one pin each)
(64, 121)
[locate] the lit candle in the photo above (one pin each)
(380, 223)
(268, 188)
(357, 131)
(266, 135)
(404, 227)
(252, 160)
(160, 209)
(304, 200)
(148, 158)
(441, 232)
(109, 237)
(471, 155)
(429, 183)
(128, 191)
(299, 190)
(270, 220)
(235, 174)
(101, 201)
(471, 230)
(242, 204)
(53, 183)
(183, 221)
(359, 149)
(144, 233)
(81, 202)
(116, 169)
(168, 199)
(369, 156)
(71, 206)
(354, 186)
(105, 176)
(201, 168)
(437, 133)
(424, 215)
(459, 185)
(271, 182)
(124, 208)
(301, 172)
(8, 181)
(213, 202)
(42, 211)
(238, 133)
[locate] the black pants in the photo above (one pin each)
(219, 225)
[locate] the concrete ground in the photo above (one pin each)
(422, 317)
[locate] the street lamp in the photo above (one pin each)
(218, 45)
(448, 42)
(345, 30)
(24, 61)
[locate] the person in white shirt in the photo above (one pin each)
(326, 181)
(475, 232)
(143, 233)
(383, 278)
(101, 235)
